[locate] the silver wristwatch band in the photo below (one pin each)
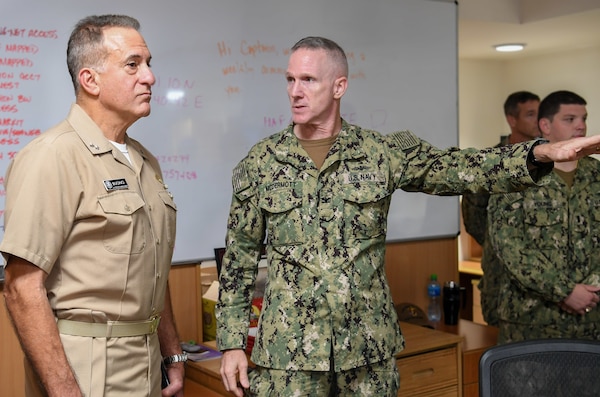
(177, 358)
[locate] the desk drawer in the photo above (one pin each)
(428, 372)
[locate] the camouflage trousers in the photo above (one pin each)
(377, 380)
(513, 332)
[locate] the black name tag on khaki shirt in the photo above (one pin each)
(115, 184)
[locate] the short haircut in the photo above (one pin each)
(551, 104)
(511, 105)
(85, 47)
(331, 47)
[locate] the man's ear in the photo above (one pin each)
(88, 80)
(544, 125)
(511, 120)
(339, 87)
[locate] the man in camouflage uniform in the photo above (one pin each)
(548, 240)
(520, 110)
(319, 192)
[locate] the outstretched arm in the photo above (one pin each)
(569, 150)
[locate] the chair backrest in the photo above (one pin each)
(542, 367)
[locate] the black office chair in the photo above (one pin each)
(541, 368)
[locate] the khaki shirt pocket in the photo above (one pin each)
(124, 228)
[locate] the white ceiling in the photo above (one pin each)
(545, 26)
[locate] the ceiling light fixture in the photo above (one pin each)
(513, 47)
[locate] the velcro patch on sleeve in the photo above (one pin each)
(240, 179)
(405, 139)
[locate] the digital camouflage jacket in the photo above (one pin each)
(547, 240)
(327, 300)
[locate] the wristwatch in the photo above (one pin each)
(176, 358)
(531, 157)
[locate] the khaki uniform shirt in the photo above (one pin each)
(104, 231)
(548, 240)
(327, 301)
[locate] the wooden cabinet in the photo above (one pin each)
(431, 363)
(429, 373)
(476, 339)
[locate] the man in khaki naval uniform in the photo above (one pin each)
(89, 233)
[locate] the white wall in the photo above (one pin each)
(484, 85)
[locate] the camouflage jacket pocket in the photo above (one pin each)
(365, 211)
(282, 209)
(545, 224)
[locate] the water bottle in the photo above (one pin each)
(434, 310)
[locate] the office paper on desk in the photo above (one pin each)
(206, 353)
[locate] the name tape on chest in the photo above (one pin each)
(358, 177)
(115, 184)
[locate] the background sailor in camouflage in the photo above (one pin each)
(548, 240)
(520, 110)
(318, 194)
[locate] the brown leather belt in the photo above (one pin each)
(112, 329)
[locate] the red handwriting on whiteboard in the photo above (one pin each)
(173, 159)
(247, 48)
(256, 48)
(173, 174)
(9, 85)
(6, 155)
(35, 33)
(238, 67)
(16, 62)
(22, 48)
(179, 101)
(177, 93)
(278, 121)
(272, 70)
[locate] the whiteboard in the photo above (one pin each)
(221, 87)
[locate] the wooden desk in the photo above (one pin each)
(430, 365)
(476, 339)
(204, 376)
